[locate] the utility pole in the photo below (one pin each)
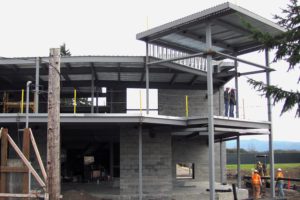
(53, 132)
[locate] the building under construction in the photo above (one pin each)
(172, 150)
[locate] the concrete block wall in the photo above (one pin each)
(194, 151)
(172, 102)
(157, 163)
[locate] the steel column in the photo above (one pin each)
(111, 159)
(238, 146)
(37, 85)
(236, 80)
(92, 91)
(140, 162)
(222, 164)
(97, 99)
(210, 114)
(147, 79)
(27, 102)
(271, 150)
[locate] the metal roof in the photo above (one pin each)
(229, 33)
(109, 71)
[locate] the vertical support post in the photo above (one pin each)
(22, 102)
(271, 150)
(186, 106)
(4, 145)
(111, 159)
(92, 91)
(147, 79)
(140, 162)
(37, 85)
(236, 81)
(222, 161)
(238, 146)
(26, 152)
(141, 105)
(75, 100)
(53, 132)
(27, 103)
(211, 137)
(97, 100)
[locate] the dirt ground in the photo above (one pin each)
(77, 195)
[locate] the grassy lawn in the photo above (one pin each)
(283, 166)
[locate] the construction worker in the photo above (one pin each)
(256, 184)
(280, 182)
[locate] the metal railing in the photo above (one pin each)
(167, 53)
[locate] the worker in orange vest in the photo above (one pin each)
(256, 184)
(280, 183)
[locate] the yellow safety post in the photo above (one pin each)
(186, 105)
(141, 105)
(22, 101)
(75, 100)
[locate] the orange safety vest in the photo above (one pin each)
(256, 179)
(279, 175)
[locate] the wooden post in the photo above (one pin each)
(4, 145)
(26, 152)
(53, 132)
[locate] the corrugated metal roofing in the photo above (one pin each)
(229, 34)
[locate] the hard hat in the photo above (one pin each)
(255, 171)
(279, 169)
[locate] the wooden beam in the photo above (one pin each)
(5, 195)
(26, 152)
(6, 169)
(38, 156)
(26, 162)
(4, 146)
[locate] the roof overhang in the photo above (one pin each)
(229, 33)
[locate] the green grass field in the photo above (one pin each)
(283, 166)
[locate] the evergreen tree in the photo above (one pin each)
(287, 47)
(64, 51)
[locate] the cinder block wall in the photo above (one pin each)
(172, 102)
(194, 151)
(157, 155)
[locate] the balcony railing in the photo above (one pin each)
(167, 53)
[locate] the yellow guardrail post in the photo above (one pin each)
(75, 100)
(186, 105)
(22, 101)
(141, 105)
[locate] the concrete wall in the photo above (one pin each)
(172, 102)
(157, 172)
(194, 151)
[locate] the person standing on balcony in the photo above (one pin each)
(226, 100)
(232, 102)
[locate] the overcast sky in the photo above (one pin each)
(94, 27)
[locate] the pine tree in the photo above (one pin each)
(64, 51)
(287, 47)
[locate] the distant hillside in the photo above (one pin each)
(261, 145)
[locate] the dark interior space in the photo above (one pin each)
(90, 155)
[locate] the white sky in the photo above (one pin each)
(94, 27)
